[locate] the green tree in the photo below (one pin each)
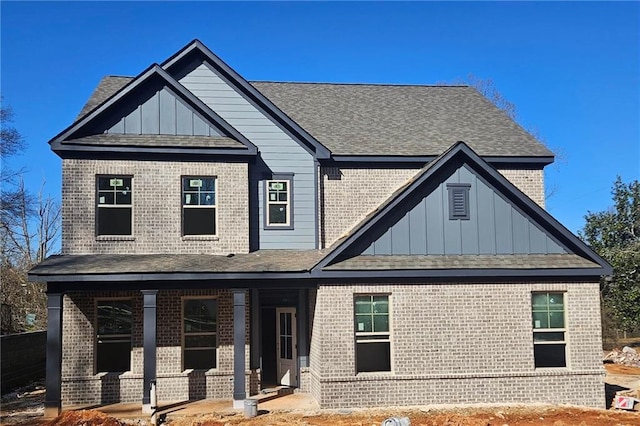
(615, 235)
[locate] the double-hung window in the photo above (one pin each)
(200, 333)
(114, 200)
(549, 342)
(372, 333)
(198, 205)
(113, 335)
(278, 202)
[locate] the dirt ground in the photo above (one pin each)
(25, 408)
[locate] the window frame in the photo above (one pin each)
(97, 302)
(99, 206)
(278, 177)
(549, 329)
(184, 334)
(459, 188)
(184, 206)
(363, 337)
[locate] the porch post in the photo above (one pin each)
(53, 382)
(239, 367)
(149, 343)
(303, 329)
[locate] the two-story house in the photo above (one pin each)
(367, 244)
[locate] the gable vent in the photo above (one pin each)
(458, 201)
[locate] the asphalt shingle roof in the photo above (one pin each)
(370, 119)
(530, 261)
(160, 141)
(258, 261)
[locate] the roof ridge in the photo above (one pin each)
(358, 84)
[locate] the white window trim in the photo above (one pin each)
(183, 333)
(285, 178)
(201, 237)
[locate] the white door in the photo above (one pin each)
(286, 346)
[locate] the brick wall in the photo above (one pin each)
(349, 194)
(456, 343)
(80, 385)
(156, 207)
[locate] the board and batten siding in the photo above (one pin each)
(161, 113)
(494, 226)
(280, 153)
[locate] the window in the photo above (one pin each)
(198, 205)
(113, 335)
(114, 205)
(200, 325)
(373, 340)
(549, 343)
(279, 202)
(458, 201)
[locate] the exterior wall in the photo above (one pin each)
(349, 194)
(279, 152)
(156, 208)
(474, 340)
(493, 225)
(80, 384)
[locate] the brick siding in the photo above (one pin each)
(456, 343)
(349, 194)
(156, 207)
(80, 384)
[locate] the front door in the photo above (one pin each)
(286, 346)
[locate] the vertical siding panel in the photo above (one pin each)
(451, 228)
(469, 228)
(486, 219)
(383, 244)
(400, 236)
(504, 232)
(150, 112)
(435, 237)
(184, 120)
(553, 247)
(117, 128)
(167, 105)
(537, 240)
(520, 232)
(132, 122)
(200, 128)
(418, 228)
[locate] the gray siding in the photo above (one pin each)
(280, 153)
(495, 226)
(161, 113)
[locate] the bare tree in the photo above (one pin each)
(29, 227)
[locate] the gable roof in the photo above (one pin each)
(372, 121)
(196, 50)
(73, 139)
(346, 253)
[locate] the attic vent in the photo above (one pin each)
(458, 201)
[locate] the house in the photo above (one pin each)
(367, 244)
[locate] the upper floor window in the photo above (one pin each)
(199, 205)
(279, 202)
(113, 335)
(114, 199)
(549, 344)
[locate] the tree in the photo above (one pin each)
(29, 227)
(615, 235)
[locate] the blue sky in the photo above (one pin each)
(572, 69)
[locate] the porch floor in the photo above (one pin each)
(280, 401)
